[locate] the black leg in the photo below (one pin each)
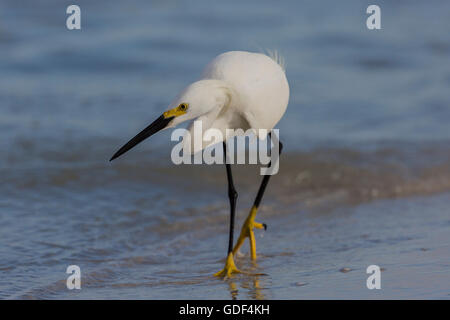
(232, 195)
(249, 224)
(264, 183)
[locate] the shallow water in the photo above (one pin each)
(364, 178)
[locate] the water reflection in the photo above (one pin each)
(250, 281)
(251, 284)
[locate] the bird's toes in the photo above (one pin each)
(258, 225)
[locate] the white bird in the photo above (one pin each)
(238, 90)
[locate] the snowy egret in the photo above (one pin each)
(238, 90)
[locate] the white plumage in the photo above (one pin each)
(238, 90)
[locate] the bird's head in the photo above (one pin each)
(199, 98)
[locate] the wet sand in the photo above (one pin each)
(157, 236)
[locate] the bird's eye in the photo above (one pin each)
(183, 106)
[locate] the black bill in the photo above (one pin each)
(153, 128)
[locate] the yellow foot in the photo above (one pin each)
(229, 269)
(247, 231)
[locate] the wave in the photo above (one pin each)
(311, 178)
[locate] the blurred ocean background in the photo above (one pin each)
(364, 178)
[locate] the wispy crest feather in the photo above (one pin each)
(276, 56)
